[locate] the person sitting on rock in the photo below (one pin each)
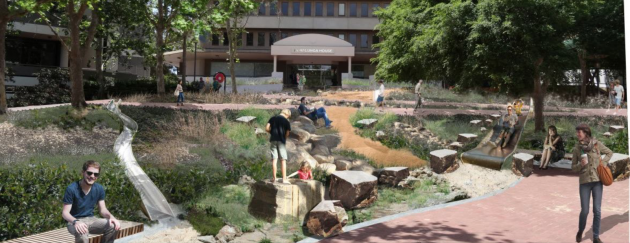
(305, 171)
(315, 113)
(509, 121)
(553, 148)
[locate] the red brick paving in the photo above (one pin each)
(542, 208)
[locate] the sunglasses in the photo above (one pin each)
(96, 174)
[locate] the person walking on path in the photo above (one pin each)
(380, 94)
(586, 157)
(279, 128)
(553, 148)
(418, 92)
(78, 207)
(315, 113)
(619, 95)
(180, 94)
(301, 81)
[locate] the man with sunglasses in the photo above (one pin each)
(78, 207)
(508, 121)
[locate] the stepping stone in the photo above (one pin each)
(523, 164)
(455, 145)
(466, 137)
(619, 166)
(614, 129)
(327, 218)
(380, 134)
(489, 122)
(246, 119)
(483, 129)
(367, 122)
(285, 202)
(354, 189)
(495, 116)
(392, 175)
(442, 160)
(475, 122)
(259, 131)
(607, 134)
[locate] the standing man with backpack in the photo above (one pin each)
(279, 127)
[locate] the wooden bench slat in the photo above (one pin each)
(63, 236)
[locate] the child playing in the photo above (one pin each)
(305, 172)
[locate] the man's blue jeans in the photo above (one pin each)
(585, 196)
(321, 113)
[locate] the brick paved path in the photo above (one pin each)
(542, 208)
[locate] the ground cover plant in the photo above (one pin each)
(618, 143)
(193, 96)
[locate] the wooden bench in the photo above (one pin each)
(63, 236)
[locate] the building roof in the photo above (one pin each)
(313, 40)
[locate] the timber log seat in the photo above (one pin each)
(63, 236)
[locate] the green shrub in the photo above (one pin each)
(265, 240)
(243, 135)
(65, 117)
(204, 222)
(53, 88)
(231, 204)
(262, 116)
(363, 113)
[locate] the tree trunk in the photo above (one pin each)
(183, 65)
(99, 68)
(232, 53)
(539, 98)
(77, 98)
(584, 74)
(598, 81)
(3, 96)
(159, 67)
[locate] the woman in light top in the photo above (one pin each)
(381, 94)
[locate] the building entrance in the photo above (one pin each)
(317, 76)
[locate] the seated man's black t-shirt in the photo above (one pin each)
(279, 127)
(303, 111)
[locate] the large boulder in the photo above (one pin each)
(618, 165)
(443, 160)
(324, 159)
(327, 219)
(228, 233)
(304, 120)
(299, 134)
(343, 164)
(327, 168)
(306, 127)
(392, 175)
(320, 150)
(303, 155)
(328, 140)
(285, 202)
(354, 189)
(523, 164)
(295, 113)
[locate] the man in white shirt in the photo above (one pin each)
(418, 91)
(619, 95)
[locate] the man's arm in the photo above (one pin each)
(268, 128)
(79, 226)
(106, 214)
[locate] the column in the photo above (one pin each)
(349, 64)
(275, 63)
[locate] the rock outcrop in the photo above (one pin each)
(278, 202)
(444, 161)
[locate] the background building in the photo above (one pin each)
(273, 33)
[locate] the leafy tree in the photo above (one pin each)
(10, 10)
(233, 14)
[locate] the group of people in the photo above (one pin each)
(179, 90)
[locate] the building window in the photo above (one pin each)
(364, 10)
(307, 9)
(272, 38)
(330, 9)
(226, 41)
(272, 9)
(375, 39)
(319, 9)
(296, 8)
(342, 36)
(215, 39)
(342, 9)
(353, 10)
(364, 41)
(284, 35)
(353, 39)
(249, 39)
(262, 9)
(261, 38)
(374, 8)
(32, 52)
(386, 5)
(285, 8)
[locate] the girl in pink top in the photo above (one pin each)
(305, 171)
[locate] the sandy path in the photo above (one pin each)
(364, 96)
(372, 149)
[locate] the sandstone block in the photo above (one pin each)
(614, 129)
(392, 175)
(618, 165)
(523, 164)
(324, 159)
(466, 137)
(475, 122)
(285, 202)
(455, 145)
(442, 160)
(343, 164)
(327, 219)
(329, 140)
(367, 122)
(354, 189)
(328, 168)
(246, 119)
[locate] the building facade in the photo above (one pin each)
(327, 41)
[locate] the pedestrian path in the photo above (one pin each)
(541, 208)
